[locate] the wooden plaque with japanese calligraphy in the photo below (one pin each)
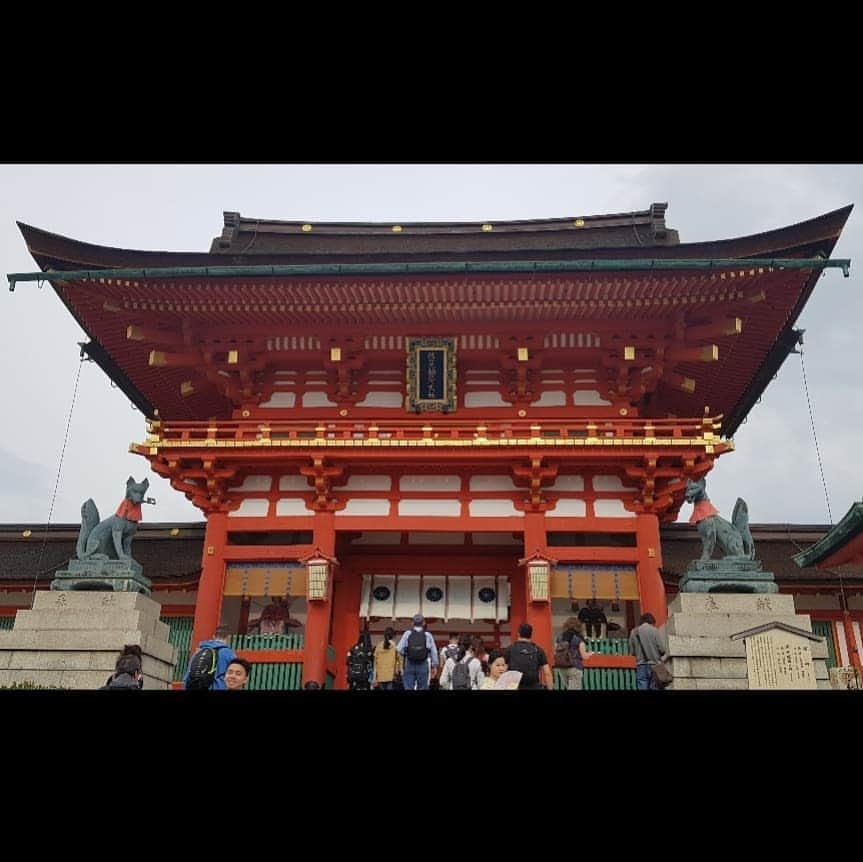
(778, 659)
(431, 374)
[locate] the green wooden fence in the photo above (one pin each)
(292, 641)
(275, 676)
(272, 676)
(6, 622)
(603, 678)
(180, 637)
(825, 629)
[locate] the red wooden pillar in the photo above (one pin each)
(318, 612)
(538, 614)
(651, 590)
(208, 607)
(347, 592)
(850, 640)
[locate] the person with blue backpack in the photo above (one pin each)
(418, 649)
(207, 667)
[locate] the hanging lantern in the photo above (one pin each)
(319, 569)
(538, 576)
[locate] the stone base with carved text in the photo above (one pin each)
(703, 654)
(728, 575)
(122, 576)
(72, 639)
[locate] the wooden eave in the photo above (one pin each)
(446, 302)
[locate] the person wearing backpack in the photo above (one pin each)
(450, 650)
(359, 664)
(570, 651)
(462, 671)
(417, 647)
(207, 666)
(525, 656)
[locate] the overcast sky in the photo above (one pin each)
(179, 208)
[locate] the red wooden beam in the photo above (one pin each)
(278, 656)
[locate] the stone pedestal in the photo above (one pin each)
(700, 628)
(73, 639)
(101, 575)
(728, 575)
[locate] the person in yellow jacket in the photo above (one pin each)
(387, 663)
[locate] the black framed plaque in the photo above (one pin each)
(431, 374)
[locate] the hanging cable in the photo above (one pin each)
(57, 480)
(815, 436)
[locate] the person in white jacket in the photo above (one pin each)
(465, 655)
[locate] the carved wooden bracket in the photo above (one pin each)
(321, 476)
(535, 476)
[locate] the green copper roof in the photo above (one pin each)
(841, 534)
(441, 266)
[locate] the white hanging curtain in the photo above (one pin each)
(378, 598)
(503, 587)
(407, 596)
(433, 596)
(459, 598)
(484, 599)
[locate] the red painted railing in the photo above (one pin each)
(229, 433)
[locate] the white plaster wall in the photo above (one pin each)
(492, 483)
(609, 483)
(292, 506)
(484, 399)
(494, 509)
(430, 483)
(430, 508)
(293, 483)
(281, 399)
(367, 483)
(589, 398)
(568, 509)
(611, 509)
(381, 399)
(317, 399)
(251, 509)
(374, 506)
(568, 483)
(551, 398)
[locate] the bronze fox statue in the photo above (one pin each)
(111, 539)
(734, 539)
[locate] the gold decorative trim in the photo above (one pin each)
(504, 442)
